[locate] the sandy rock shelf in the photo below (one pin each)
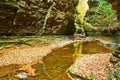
(95, 64)
(28, 54)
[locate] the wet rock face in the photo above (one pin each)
(116, 6)
(7, 15)
(93, 3)
(21, 17)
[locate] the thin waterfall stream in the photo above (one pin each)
(41, 31)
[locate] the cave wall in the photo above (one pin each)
(30, 17)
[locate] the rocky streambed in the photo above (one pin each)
(52, 61)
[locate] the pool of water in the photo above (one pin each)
(95, 47)
(56, 63)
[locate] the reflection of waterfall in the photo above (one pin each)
(42, 30)
(78, 49)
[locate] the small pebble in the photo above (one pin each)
(22, 75)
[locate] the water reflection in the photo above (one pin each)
(56, 63)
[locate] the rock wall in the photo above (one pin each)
(7, 15)
(93, 3)
(116, 6)
(30, 17)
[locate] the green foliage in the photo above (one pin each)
(4, 44)
(118, 48)
(112, 60)
(87, 26)
(70, 70)
(10, 4)
(105, 8)
(19, 42)
(103, 3)
(91, 77)
(77, 27)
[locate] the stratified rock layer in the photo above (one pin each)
(21, 17)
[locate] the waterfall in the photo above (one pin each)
(42, 30)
